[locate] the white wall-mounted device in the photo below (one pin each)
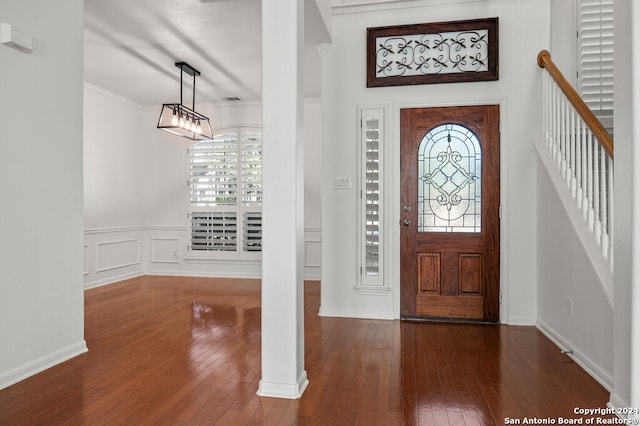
(13, 37)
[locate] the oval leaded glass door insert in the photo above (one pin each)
(449, 180)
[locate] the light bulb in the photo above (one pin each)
(181, 122)
(174, 119)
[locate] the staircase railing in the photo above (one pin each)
(582, 151)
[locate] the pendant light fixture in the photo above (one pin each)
(181, 120)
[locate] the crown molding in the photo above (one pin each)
(385, 5)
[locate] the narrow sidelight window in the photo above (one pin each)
(371, 196)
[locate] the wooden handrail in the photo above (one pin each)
(544, 61)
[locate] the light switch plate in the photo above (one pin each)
(341, 183)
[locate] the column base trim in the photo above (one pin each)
(283, 390)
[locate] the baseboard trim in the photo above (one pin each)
(113, 279)
(618, 407)
(312, 273)
(350, 313)
(284, 390)
(520, 321)
(579, 357)
(164, 273)
(203, 274)
(43, 363)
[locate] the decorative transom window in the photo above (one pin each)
(449, 180)
(225, 193)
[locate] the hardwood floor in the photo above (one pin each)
(186, 351)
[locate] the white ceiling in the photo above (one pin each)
(131, 46)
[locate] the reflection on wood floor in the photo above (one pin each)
(174, 350)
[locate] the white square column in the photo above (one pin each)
(626, 220)
(283, 374)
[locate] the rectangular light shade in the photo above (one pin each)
(185, 122)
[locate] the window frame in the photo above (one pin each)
(371, 283)
(239, 207)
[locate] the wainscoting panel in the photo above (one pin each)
(165, 250)
(112, 254)
(312, 253)
(85, 253)
(117, 254)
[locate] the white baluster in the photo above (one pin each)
(597, 173)
(610, 202)
(585, 170)
(545, 109)
(572, 163)
(579, 158)
(604, 198)
(563, 137)
(556, 126)
(590, 219)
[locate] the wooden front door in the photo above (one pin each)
(450, 207)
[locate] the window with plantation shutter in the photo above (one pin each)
(595, 71)
(370, 184)
(225, 194)
(251, 166)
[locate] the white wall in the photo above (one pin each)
(114, 160)
(41, 297)
(136, 193)
(573, 309)
(344, 88)
(563, 37)
(312, 188)
(114, 172)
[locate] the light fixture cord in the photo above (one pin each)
(193, 99)
(181, 71)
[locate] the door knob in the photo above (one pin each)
(406, 222)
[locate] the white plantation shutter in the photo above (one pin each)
(214, 231)
(371, 134)
(372, 196)
(214, 171)
(596, 57)
(251, 168)
(252, 231)
(225, 185)
(251, 164)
